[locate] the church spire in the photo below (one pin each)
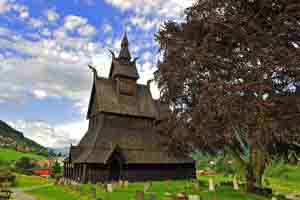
(124, 52)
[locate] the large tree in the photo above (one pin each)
(230, 72)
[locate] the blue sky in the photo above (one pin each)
(45, 46)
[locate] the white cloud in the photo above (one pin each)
(144, 23)
(79, 25)
(11, 5)
(22, 10)
(51, 15)
(160, 8)
(147, 55)
(39, 94)
(87, 30)
(35, 23)
(107, 28)
(56, 67)
(72, 22)
(57, 136)
(5, 6)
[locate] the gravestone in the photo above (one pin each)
(147, 186)
(109, 187)
(235, 184)
(126, 183)
(139, 195)
(194, 197)
(211, 186)
(120, 183)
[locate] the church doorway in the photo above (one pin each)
(114, 170)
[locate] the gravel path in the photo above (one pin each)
(19, 193)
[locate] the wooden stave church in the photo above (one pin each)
(120, 107)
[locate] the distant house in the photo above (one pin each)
(59, 160)
(45, 163)
(43, 172)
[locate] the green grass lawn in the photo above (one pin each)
(12, 155)
(24, 181)
(159, 188)
(56, 193)
(283, 178)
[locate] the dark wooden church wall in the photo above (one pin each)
(159, 172)
(96, 173)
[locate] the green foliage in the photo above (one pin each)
(56, 169)
(24, 164)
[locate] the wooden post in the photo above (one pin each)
(83, 178)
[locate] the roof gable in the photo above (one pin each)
(108, 100)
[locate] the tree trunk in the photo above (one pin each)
(255, 168)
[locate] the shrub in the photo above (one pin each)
(24, 164)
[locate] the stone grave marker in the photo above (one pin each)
(125, 183)
(235, 184)
(147, 186)
(194, 197)
(211, 186)
(109, 187)
(120, 183)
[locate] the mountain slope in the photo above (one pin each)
(9, 137)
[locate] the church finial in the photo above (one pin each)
(124, 52)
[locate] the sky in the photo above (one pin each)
(46, 45)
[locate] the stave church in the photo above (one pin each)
(121, 142)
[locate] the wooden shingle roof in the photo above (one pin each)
(137, 146)
(106, 99)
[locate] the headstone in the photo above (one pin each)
(194, 197)
(126, 184)
(120, 183)
(211, 185)
(147, 186)
(235, 184)
(109, 187)
(168, 194)
(180, 195)
(139, 195)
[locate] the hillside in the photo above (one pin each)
(13, 139)
(13, 155)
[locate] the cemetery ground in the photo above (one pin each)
(283, 179)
